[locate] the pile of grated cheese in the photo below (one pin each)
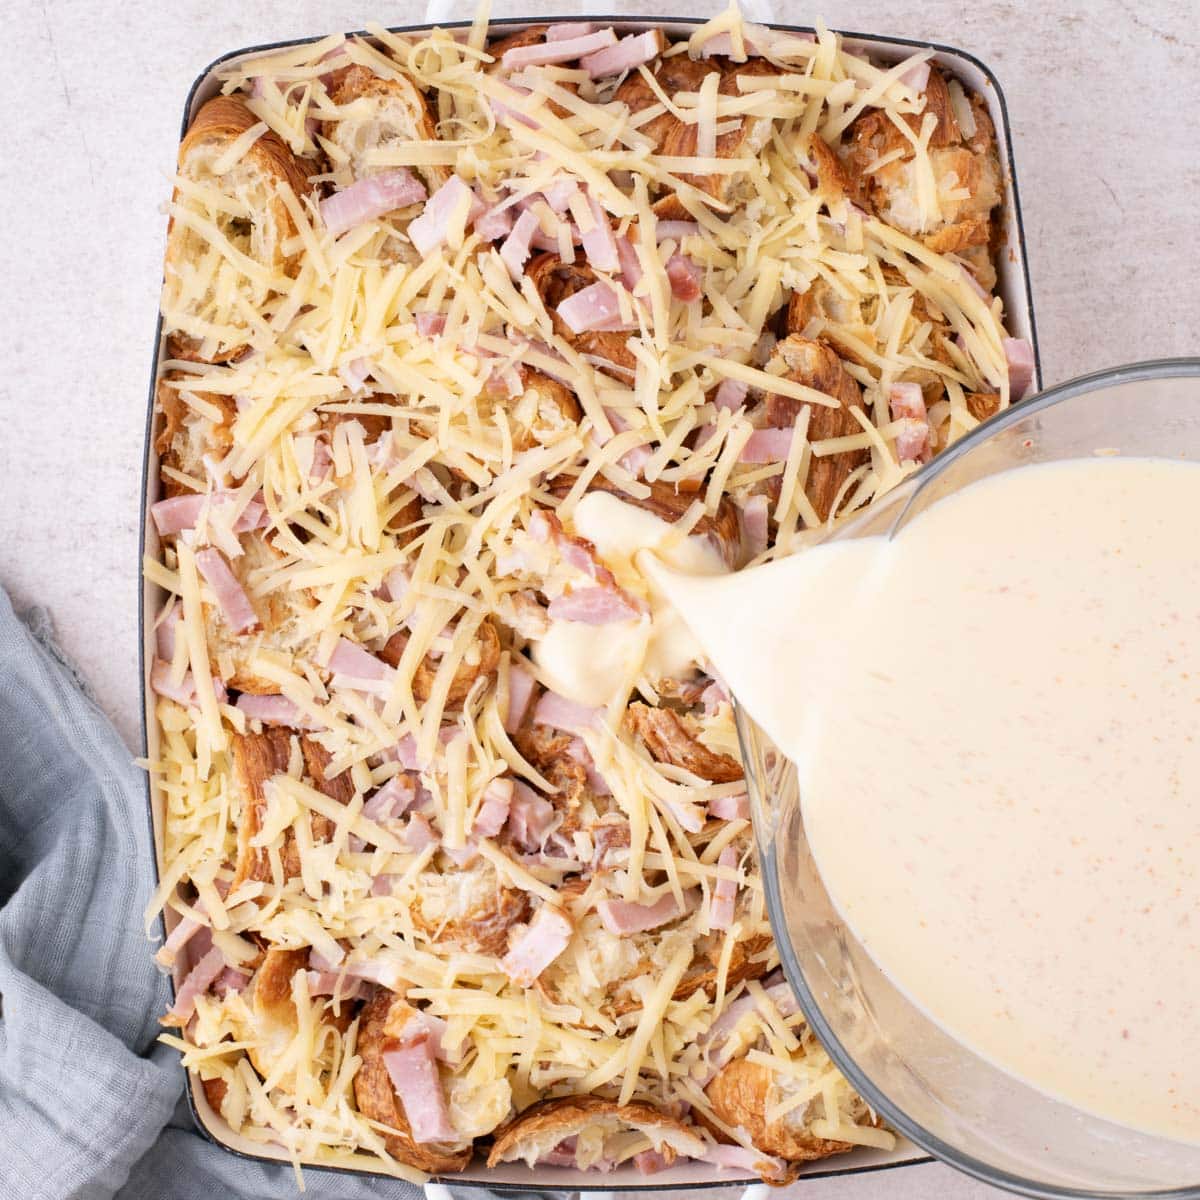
(384, 407)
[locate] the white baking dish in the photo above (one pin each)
(1013, 287)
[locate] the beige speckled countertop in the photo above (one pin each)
(1104, 100)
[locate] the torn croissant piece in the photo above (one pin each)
(671, 738)
(965, 168)
(376, 1095)
(469, 909)
(588, 1132)
(545, 409)
(280, 621)
(743, 1095)
(252, 216)
(752, 958)
(380, 113)
(481, 661)
(675, 74)
(257, 759)
(555, 280)
(185, 436)
(817, 366)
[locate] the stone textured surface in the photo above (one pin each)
(1104, 100)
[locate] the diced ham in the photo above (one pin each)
(629, 53)
(767, 446)
(515, 249)
(494, 223)
(562, 1155)
(534, 950)
(178, 513)
(755, 525)
(724, 895)
(560, 51)
(1018, 353)
(354, 373)
(230, 981)
(622, 917)
(185, 929)
(565, 31)
(391, 800)
(419, 833)
(599, 245)
(684, 277)
(412, 1067)
(334, 983)
(594, 606)
(908, 405)
(530, 818)
(165, 630)
(493, 809)
(462, 856)
(595, 307)
(423, 1024)
(233, 601)
(521, 684)
(676, 231)
(650, 1162)
(429, 324)
(560, 713)
(183, 692)
(275, 710)
(739, 1158)
(432, 228)
(558, 194)
(731, 394)
(351, 661)
(916, 76)
(508, 114)
(371, 197)
(631, 265)
(973, 283)
(730, 808)
(198, 980)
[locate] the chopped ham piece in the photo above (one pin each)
(755, 526)
(164, 631)
(599, 245)
(183, 512)
(730, 808)
(558, 195)
(515, 250)
(429, 324)
(595, 307)
(512, 116)
(739, 1158)
(675, 230)
(650, 1162)
(432, 228)
(594, 606)
(198, 980)
(767, 446)
(234, 603)
(560, 713)
(183, 692)
(521, 684)
(185, 929)
(623, 917)
(230, 980)
(370, 198)
(334, 983)
(631, 266)
(354, 373)
(908, 405)
(412, 1067)
(493, 224)
(562, 1155)
(418, 833)
(535, 949)
(559, 51)
(353, 662)
(392, 800)
(565, 31)
(629, 53)
(916, 76)
(731, 394)
(1018, 353)
(724, 896)
(275, 710)
(493, 810)
(530, 818)
(684, 277)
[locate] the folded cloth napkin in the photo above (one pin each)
(90, 1105)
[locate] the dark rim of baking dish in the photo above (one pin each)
(1012, 200)
(1162, 368)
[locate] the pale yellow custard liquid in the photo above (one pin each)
(996, 722)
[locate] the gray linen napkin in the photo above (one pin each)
(90, 1106)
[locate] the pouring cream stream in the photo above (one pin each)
(995, 717)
